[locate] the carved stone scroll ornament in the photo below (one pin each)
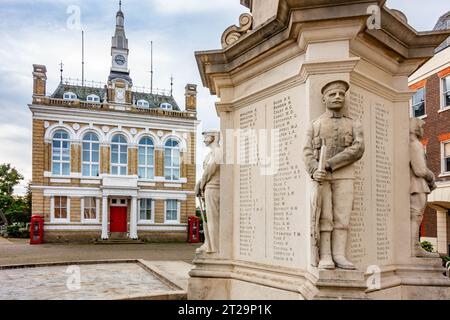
(234, 33)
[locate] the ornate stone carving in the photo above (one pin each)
(133, 131)
(76, 126)
(422, 184)
(334, 142)
(105, 129)
(233, 33)
(208, 191)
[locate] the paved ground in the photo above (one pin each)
(81, 282)
(18, 251)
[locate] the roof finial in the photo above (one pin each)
(120, 5)
(171, 85)
(61, 70)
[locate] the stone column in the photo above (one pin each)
(133, 218)
(105, 159)
(75, 154)
(132, 161)
(105, 218)
(442, 232)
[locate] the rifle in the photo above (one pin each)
(205, 224)
(316, 205)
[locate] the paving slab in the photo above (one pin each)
(95, 281)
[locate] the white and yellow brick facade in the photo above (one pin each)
(77, 203)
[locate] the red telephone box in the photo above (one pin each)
(194, 230)
(37, 230)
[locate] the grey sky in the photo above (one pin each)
(36, 31)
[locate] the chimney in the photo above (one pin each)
(191, 97)
(39, 80)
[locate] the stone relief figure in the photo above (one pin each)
(334, 142)
(208, 191)
(422, 184)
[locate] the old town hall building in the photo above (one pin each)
(112, 162)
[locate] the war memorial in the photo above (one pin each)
(322, 179)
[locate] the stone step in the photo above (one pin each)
(118, 241)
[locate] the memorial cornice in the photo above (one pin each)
(396, 37)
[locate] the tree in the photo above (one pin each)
(9, 178)
(15, 208)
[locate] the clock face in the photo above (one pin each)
(120, 60)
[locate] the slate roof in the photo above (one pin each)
(442, 24)
(82, 92)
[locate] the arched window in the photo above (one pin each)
(93, 98)
(143, 104)
(146, 159)
(61, 153)
(166, 106)
(172, 160)
(91, 155)
(69, 96)
(119, 155)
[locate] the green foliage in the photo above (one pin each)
(18, 230)
(9, 178)
(427, 246)
(445, 259)
(15, 208)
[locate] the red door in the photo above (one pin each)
(118, 219)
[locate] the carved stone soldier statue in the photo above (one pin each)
(422, 184)
(339, 140)
(208, 188)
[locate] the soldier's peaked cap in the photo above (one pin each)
(211, 132)
(338, 84)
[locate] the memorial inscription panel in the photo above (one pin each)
(372, 217)
(272, 209)
(269, 191)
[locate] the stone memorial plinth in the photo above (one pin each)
(268, 77)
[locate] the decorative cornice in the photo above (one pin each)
(327, 67)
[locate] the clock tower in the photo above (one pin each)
(119, 47)
(119, 82)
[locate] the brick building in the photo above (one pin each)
(111, 161)
(431, 102)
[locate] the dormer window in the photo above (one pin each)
(93, 98)
(143, 104)
(69, 96)
(166, 106)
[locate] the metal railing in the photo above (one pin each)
(155, 91)
(100, 85)
(86, 83)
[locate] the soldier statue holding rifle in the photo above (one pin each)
(334, 142)
(208, 192)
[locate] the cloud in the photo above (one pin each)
(421, 17)
(192, 6)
